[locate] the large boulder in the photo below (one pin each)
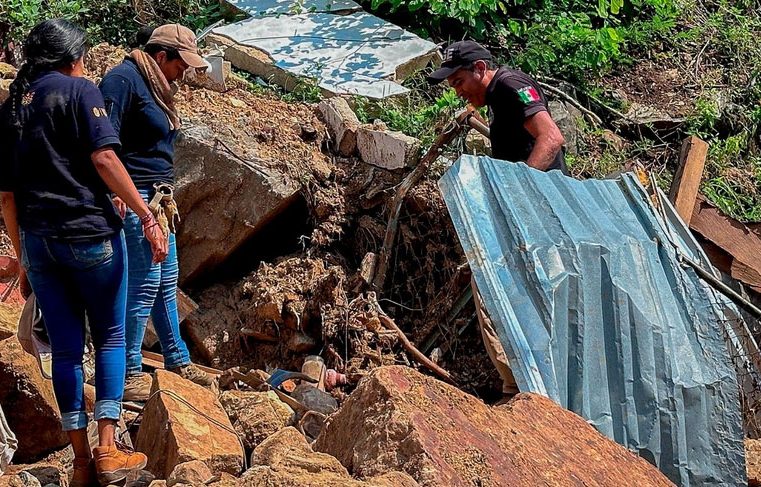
(175, 431)
(223, 200)
(194, 472)
(567, 117)
(256, 415)
(285, 459)
(29, 404)
(399, 419)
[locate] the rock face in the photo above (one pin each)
(172, 433)
(567, 119)
(753, 462)
(7, 73)
(386, 149)
(477, 144)
(342, 124)
(190, 473)
(28, 403)
(222, 201)
(5, 86)
(285, 459)
(256, 415)
(399, 419)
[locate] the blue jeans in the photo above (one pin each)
(73, 281)
(152, 291)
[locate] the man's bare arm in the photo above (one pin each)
(548, 140)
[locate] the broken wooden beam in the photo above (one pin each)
(156, 361)
(684, 188)
(740, 245)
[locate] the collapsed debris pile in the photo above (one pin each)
(283, 215)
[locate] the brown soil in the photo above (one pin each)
(101, 58)
(278, 134)
(260, 127)
(647, 83)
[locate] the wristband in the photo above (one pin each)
(147, 218)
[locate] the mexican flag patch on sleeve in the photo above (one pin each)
(528, 94)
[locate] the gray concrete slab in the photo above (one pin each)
(263, 8)
(356, 54)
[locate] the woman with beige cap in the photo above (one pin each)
(139, 101)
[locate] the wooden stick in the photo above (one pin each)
(156, 361)
(449, 134)
(576, 88)
(416, 354)
(573, 101)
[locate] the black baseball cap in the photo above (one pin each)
(458, 55)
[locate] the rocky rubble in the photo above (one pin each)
(256, 415)
(753, 461)
(29, 404)
(243, 159)
(286, 459)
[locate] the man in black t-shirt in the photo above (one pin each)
(520, 123)
(521, 130)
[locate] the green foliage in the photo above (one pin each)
(22, 15)
(702, 122)
(733, 178)
(113, 21)
(569, 38)
(577, 41)
(475, 15)
(306, 91)
(414, 114)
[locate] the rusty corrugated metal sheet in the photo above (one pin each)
(583, 282)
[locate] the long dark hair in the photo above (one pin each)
(52, 44)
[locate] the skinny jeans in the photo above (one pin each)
(152, 291)
(77, 283)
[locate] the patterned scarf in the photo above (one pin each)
(160, 88)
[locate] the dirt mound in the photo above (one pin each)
(274, 316)
(101, 58)
(252, 126)
(283, 135)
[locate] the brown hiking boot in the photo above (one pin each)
(114, 463)
(137, 387)
(192, 373)
(84, 474)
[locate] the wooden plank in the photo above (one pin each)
(742, 244)
(185, 305)
(686, 183)
(156, 361)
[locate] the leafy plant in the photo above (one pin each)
(414, 115)
(113, 21)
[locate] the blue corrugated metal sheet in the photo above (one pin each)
(587, 295)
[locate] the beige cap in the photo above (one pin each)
(182, 39)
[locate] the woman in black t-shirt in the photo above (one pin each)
(58, 169)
